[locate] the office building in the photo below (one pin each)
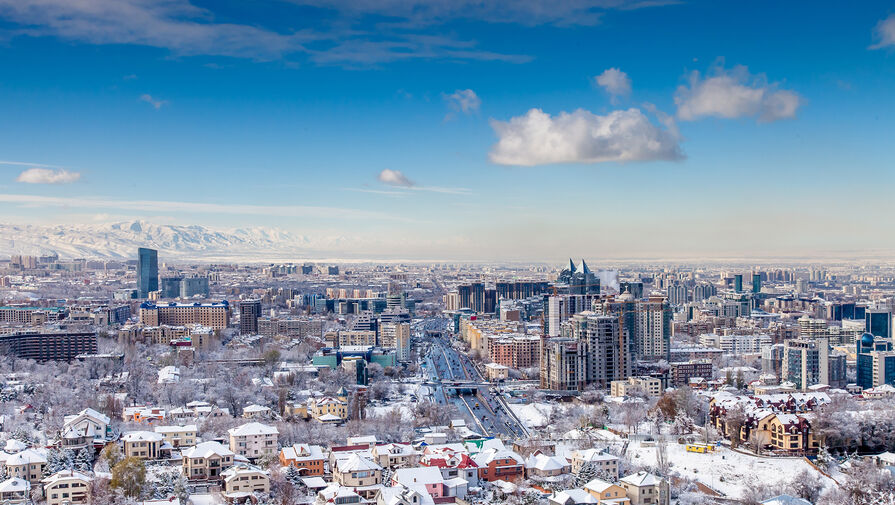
(194, 286)
(872, 360)
(147, 271)
(756, 283)
(170, 286)
(738, 283)
(808, 362)
(249, 312)
(579, 279)
(878, 322)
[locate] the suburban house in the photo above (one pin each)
(606, 464)
(395, 455)
(15, 491)
(499, 464)
(254, 440)
(28, 464)
(66, 488)
(308, 459)
(243, 480)
(605, 491)
(179, 436)
(146, 445)
(358, 472)
(644, 488)
(206, 461)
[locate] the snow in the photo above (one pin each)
(533, 415)
(724, 470)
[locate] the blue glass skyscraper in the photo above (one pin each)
(147, 271)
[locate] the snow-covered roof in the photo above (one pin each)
(545, 463)
(356, 463)
(26, 457)
(207, 449)
(250, 429)
(251, 409)
(574, 496)
(15, 485)
(176, 429)
(302, 452)
(420, 475)
(66, 474)
(143, 436)
(641, 479)
(598, 485)
(785, 499)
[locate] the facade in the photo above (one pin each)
(147, 271)
(636, 386)
(213, 315)
(680, 373)
(249, 312)
(289, 327)
(606, 464)
(254, 440)
(515, 351)
(243, 479)
(357, 338)
(603, 353)
(206, 461)
(806, 362)
(54, 346)
(644, 488)
(145, 445)
(66, 488)
(563, 364)
(28, 464)
(357, 471)
(308, 459)
(179, 436)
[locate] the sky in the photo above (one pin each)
(501, 130)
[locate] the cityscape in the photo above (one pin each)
(425, 252)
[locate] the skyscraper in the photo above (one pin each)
(147, 271)
(738, 283)
(878, 322)
(756, 283)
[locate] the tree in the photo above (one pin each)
(129, 475)
(84, 460)
(734, 421)
(588, 472)
(111, 455)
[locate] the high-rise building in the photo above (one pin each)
(756, 283)
(563, 364)
(214, 315)
(806, 362)
(606, 352)
(646, 325)
(703, 290)
(170, 286)
(580, 279)
(51, 346)
(194, 286)
(878, 322)
(147, 271)
(249, 312)
(677, 294)
(872, 360)
(738, 283)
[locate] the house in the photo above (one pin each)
(358, 472)
(15, 491)
(243, 480)
(308, 459)
(86, 428)
(254, 440)
(453, 465)
(395, 455)
(256, 412)
(179, 436)
(206, 461)
(67, 487)
(605, 464)
(197, 410)
(28, 464)
(143, 414)
(146, 445)
(335, 494)
(168, 375)
(499, 464)
(644, 488)
(401, 495)
(604, 491)
(543, 466)
(296, 409)
(572, 497)
(328, 409)
(427, 478)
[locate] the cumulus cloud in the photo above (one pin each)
(734, 94)
(615, 82)
(155, 102)
(463, 100)
(48, 176)
(394, 178)
(885, 33)
(537, 138)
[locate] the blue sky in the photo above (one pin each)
(717, 129)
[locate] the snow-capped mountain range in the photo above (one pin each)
(120, 241)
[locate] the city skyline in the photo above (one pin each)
(458, 130)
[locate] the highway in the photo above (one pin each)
(459, 382)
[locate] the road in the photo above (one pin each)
(457, 381)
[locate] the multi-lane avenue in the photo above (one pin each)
(459, 382)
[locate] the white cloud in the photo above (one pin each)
(394, 178)
(463, 100)
(885, 33)
(733, 94)
(537, 138)
(615, 82)
(155, 102)
(48, 176)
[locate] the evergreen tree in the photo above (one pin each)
(586, 473)
(292, 475)
(84, 460)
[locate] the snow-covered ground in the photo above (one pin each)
(724, 470)
(533, 415)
